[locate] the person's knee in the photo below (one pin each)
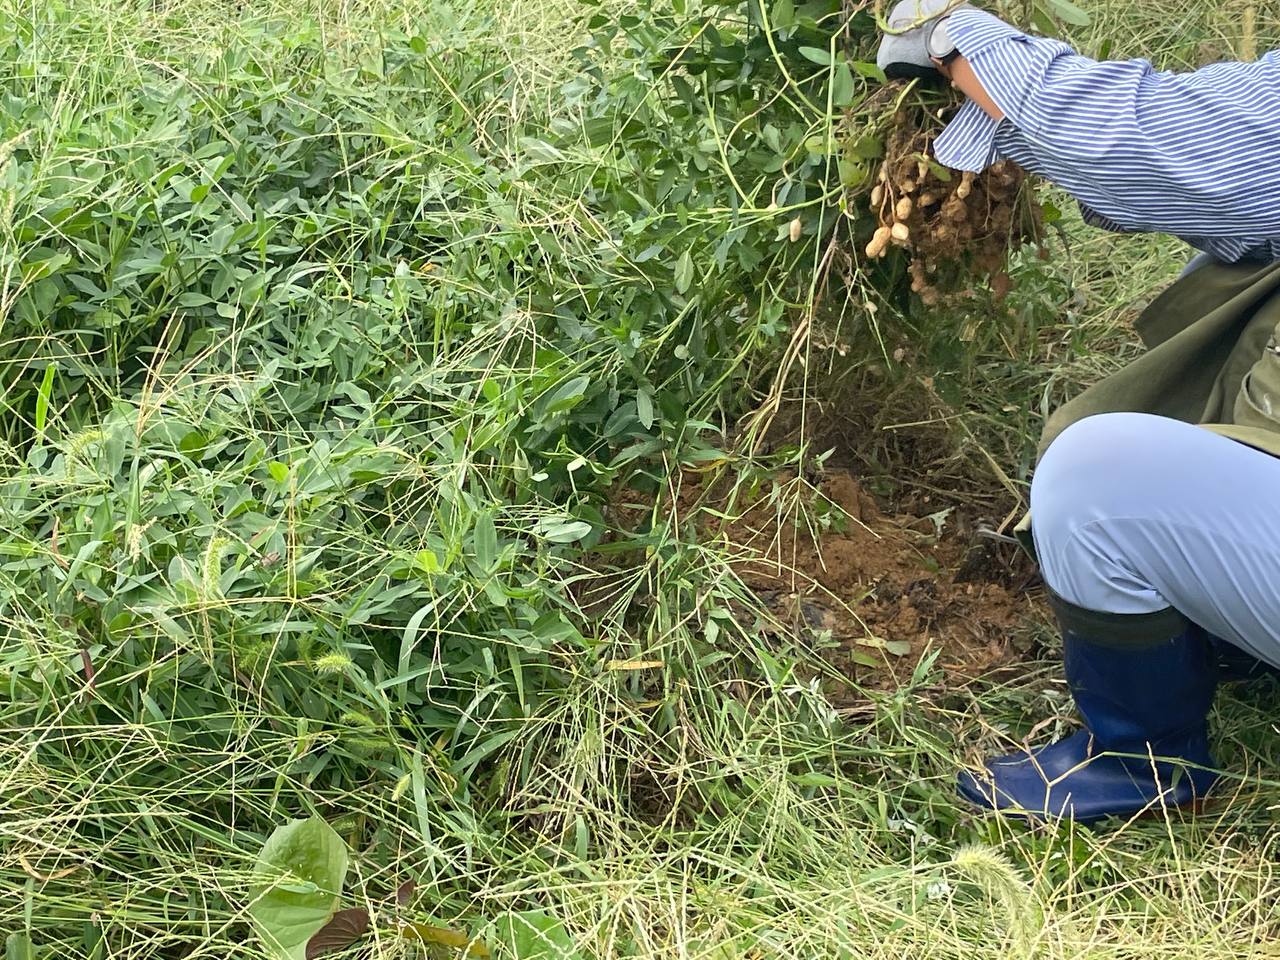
(1129, 512)
(1097, 469)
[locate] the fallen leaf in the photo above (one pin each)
(426, 933)
(404, 892)
(344, 929)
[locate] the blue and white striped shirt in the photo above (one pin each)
(1196, 155)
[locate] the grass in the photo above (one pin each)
(336, 339)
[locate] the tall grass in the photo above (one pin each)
(336, 339)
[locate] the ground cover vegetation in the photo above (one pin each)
(384, 385)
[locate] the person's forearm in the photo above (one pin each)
(1142, 150)
(960, 73)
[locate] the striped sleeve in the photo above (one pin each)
(1141, 150)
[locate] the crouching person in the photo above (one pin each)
(1153, 508)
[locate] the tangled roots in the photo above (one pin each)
(954, 226)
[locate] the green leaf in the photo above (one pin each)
(534, 935)
(496, 593)
(938, 170)
(485, 542)
(870, 71)
(562, 531)
(1043, 21)
(819, 56)
(842, 85)
(820, 146)
(82, 557)
(540, 150)
(1068, 12)
(300, 873)
(869, 147)
(566, 396)
(852, 172)
(409, 639)
(45, 266)
(42, 398)
(684, 272)
(644, 408)
(782, 14)
(164, 176)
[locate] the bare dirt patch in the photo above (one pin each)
(877, 592)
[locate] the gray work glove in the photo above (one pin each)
(905, 54)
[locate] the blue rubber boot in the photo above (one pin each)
(1143, 685)
(1239, 666)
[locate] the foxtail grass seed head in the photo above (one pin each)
(331, 663)
(992, 872)
(211, 569)
(74, 448)
(401, 787)
(133, 538)
(10, 145)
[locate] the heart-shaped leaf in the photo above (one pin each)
(534, 935)
(299, 877)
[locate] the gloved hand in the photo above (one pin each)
(906, 54)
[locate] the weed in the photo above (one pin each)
(333, 338)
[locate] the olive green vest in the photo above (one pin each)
(1213, 358)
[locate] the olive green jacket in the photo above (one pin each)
(1213, 358)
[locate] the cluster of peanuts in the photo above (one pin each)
(954, 226)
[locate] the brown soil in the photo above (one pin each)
(878, 592)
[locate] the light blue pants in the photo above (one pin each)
(1133, 513)
(1196, 262)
